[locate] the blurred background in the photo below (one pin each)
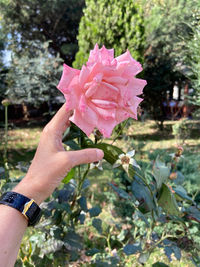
(36, 37)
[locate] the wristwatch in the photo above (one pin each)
(25, 205)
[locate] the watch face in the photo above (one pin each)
(26, 206)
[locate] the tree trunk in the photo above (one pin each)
(185, 107)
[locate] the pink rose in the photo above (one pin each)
(104, 92)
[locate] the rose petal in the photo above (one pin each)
(122, 115)
(106, 114)
(106, 54)
(66, 78)
(94, 55)
(104, 92)
(110, 86)
(83, 76)
(136, 86)
(71, 101)
(104, 103)
(116, 79)
(106, 126)
(91, 90)
(82, 122)
(133, 109)
(134, 66)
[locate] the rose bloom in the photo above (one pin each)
(104, 92)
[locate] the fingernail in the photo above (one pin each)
(100, 153)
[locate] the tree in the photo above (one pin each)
(34, 80)
(115, 24)
(44, 20)
(168, 31)
(194, 63)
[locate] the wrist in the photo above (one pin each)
(30, 190)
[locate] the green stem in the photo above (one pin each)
(6, 143)
(108, 240)
(160, 241)
(120, 132)
(83, 179)
(79, 188)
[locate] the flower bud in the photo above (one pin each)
(179, 151)
(6, 102)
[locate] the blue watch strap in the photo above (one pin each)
(23, 204)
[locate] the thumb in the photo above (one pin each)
(84, 156)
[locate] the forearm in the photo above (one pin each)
(13, 225)
(12, 228)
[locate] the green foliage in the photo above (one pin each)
(147, 210)
(115, 24)
(168, 30)
(34, 79)
(56, 21)
(193, 59)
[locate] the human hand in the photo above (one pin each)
(51, 162)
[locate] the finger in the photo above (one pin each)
(60, 121)
(84, 156)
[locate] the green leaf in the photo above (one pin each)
(167, 201)
(2, 173)
(72, 241)
(81, 218)
(111, 152)
(160, 172)
(172, 248)
(160, 264)
(143, 257)
(92, 252)
(62, 207)
(83, 203)
(130, 249)
(181, 193)
(86, 184)
(180, 178)
(143, 195)
(97, 223)
(120, 192)
(72, 144)
(69, 176)
(193, 213)
(51, 245)
(95, 211)
(141, 216)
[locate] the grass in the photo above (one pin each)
(144, 137)
(148, 142)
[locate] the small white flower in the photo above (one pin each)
(125, 160)
(83, 212)
(114, 253)
(96, 165)
(174, 155)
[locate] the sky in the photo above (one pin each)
(7, 57)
